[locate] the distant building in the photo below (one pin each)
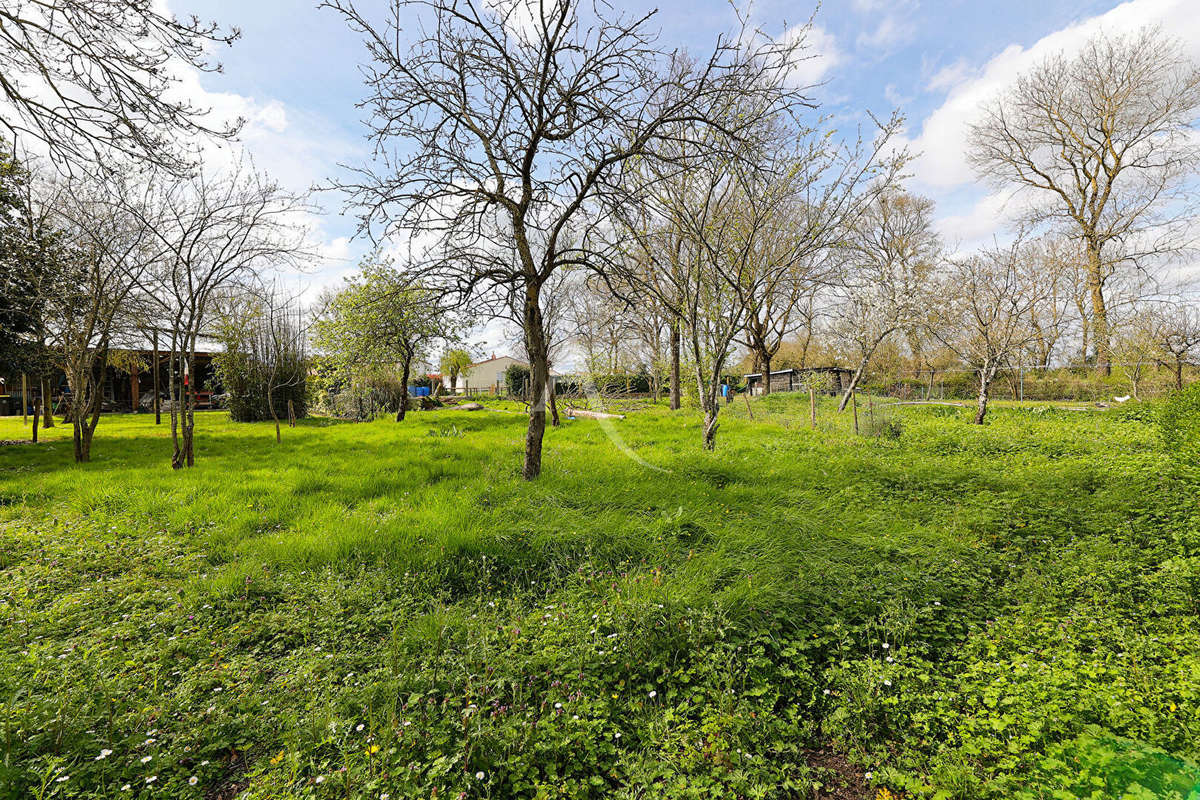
(487, 375)
(828, 380)
(126, 391)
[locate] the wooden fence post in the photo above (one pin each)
(854, 401)
(24, 400)
(812, 404)
(157, 368)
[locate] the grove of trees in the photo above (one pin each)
(627, 206)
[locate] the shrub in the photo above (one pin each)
(515, 377)
(244, 379)
(1179, 425)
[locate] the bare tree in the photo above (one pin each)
(109, 252)
(888, 257)
(212, 234)
(91, 80)
(1102, 142)
(983, 314)
(1175, 329)
(1050, 317)
(505, 122)
(811, 191)
(264, 332)
(1135, 345)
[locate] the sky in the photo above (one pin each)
(294, 75)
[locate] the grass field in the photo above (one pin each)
(381, 609)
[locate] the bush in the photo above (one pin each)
(514, 379)
(364, 398)
(1179, 426)
(244, 380)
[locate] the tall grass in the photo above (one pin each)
(251, 612)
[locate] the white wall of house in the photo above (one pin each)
(485, 374)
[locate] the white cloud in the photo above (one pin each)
(892, 30)
(942, 161)
(818, 53)
(950, 76)
(979, 223)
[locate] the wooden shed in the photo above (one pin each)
(830, 380)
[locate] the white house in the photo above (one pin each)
(487, 375)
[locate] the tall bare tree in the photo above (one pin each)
(1101, 141)
(811, 191)
(1051, 316)
(108, 254)
(889, 254)
(501, 123)
(983, 311)
(212, 233)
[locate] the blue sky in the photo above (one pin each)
(295, 75)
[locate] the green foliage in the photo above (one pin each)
(381, 320)
(454, 363)
(515, 378)
(1008, 612)
(263, 355)
(1179, 425)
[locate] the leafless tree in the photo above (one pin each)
(810, 191)
(92, 80)
(108, 254)
(1051, 315)
(888, 257)
(1175, 329)
(264, 332)
(212, 234)
(1135, 345)
(506, 122)
(984, 311)
(1101, 140)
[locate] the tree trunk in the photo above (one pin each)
(407, 365)
(1100, 329)
(710, 428)
(135, 389)
(47, 409)
(86, 415)
(274, 416)
(291, 414)
(24, 400)
(1178, 374)
(553, 404)
(852, 387)
(174, 396)
(189, 408)
(985, 381)
(675, 388)
(37, 416)
(764, 358)
(539, 374)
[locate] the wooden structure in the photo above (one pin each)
(828, 380)
(122, 391)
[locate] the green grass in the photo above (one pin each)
(381, 608)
